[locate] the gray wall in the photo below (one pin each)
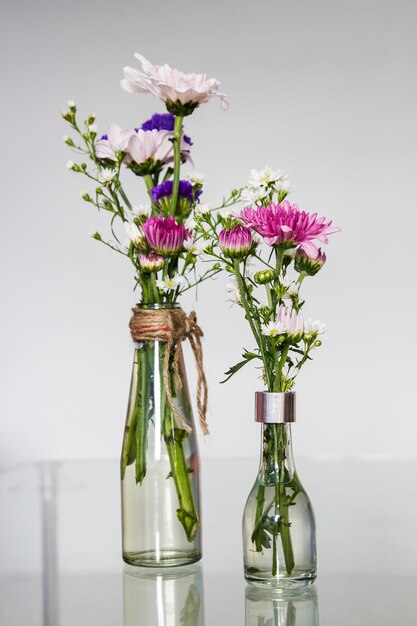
(326, 90)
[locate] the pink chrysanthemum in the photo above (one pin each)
(236, 242)
(171, 85)
(284, 224)
(165, 235)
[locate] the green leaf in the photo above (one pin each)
(247, 356)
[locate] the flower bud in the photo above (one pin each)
(67, 140)
(236, 242)
(70, 165)
(151, 262)
(95, 235)
(72, 105)
(66, 115)
(90, 119)
(85, 196)
(263, 277)
(304, 264)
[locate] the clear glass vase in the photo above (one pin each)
(160, 465)
(279, 534)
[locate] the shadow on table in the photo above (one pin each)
(266, 607)
(172, 598)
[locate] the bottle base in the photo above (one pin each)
(167, 558)
(280, 583)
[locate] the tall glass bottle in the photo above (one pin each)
(279, 536)
(160, 467)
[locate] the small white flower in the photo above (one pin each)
(70, 165)
(141, 210)
(65, 138)
(192, 246)
(251, 194)
(170, 284)
(197, 178)
(263, 177)
(134, 233)
(71, 104)
(273, 329)
(202, 209)
(283, 184)
(107, 175)
(315, 327)
(93, 128)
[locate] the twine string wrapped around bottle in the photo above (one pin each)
(173, 326)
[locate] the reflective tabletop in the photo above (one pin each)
(60, 551)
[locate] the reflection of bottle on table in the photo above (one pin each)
(266, 607)
(171, 598)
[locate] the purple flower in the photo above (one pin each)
(165, 235)
(185, 190)
(162, 121)
(236, 243)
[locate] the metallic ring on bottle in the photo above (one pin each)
(275, 408)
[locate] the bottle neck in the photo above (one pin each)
(276, 462)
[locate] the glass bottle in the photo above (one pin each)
(279, 536)
(160, 465)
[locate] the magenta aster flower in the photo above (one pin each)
(165, 235)
(236, 242)
(285, 225)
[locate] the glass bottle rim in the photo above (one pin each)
(155, 306)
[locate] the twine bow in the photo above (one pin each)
(173, 326)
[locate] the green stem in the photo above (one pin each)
(249, 316)
(142, 421)
(177, 162)
(280, 364)
(180, 472)
(284, 520)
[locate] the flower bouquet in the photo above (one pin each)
(268, 249)
(159, 462)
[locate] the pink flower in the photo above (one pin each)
(171, 85)
(150, 144)
(165, 235)
(303, 263)
(293, 323)
(151, 262)
(236, 242)
(285, 225)
(115, 140)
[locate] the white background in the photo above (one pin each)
(326, 90)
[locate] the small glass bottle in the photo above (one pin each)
(160, 466)
(279, 535)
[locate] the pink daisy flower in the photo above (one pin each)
(285, 225)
